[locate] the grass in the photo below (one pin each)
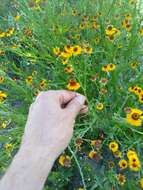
(29, 65)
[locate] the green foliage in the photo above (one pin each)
(28, 52)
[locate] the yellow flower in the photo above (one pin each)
(131, 153)
(94, 155)
(126, 24)
(17, 17)
(10, 32)
(43, 84)
(82, 26)
(3, 125)
(2, 34)
(99, 106)
(29, 80)
(128, 17)
(113, 146)
(68, 49)
(64, 60)
(77, 50)
(74, 12)
(88, 50)
(141, 183)
(134, 163)
(96, 143)
(110, 30)
(3, 96)
(56, 51)
(34, 73)
(141, 98)
(8, 147)
(73, 85)
(109, 67)
(123, 164)
(121, 179)
(97, 39)
(65, 54)
(1, 79)
(132, 2)
(65, 160)
(135, 117)
(141, 32)
(69, 69)
(105, 68)
(134, 65)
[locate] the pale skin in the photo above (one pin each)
(48, 132)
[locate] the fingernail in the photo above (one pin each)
(80, 99)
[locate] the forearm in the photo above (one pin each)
(28, 171)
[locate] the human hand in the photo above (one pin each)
(51, 120)
(48, 131)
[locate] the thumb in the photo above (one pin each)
(75, 105)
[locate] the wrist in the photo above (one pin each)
(36, 154)
(29, 170)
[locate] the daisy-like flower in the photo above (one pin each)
(123, 164)
(29, 80)
(99, 106)
(134, 163)
(74, 12)
(113, 146)
(103, 81)
(65, 160)
(131, 153)
(17, 17)
(2, 34)
(141, 98)
(69, 69)
(57, 51)
(134, 166)
(94, 155)
(3, 125)
(96, 143)
(141, 32)
(3, 96)
(77, 50)
(73, 85)
(82, 25)
(65, 60)
(135, 117)
(134, 65)
(10, 32)
(97, 39)
(109, 67)
(1, 79)
(65, 55)
(8, 147)
(43, 84)
(105, 68)
(110, 30)
(88, 50)
(121, 179)
(68, 49)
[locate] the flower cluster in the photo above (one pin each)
(138, 91)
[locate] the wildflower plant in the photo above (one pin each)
(92, 47)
